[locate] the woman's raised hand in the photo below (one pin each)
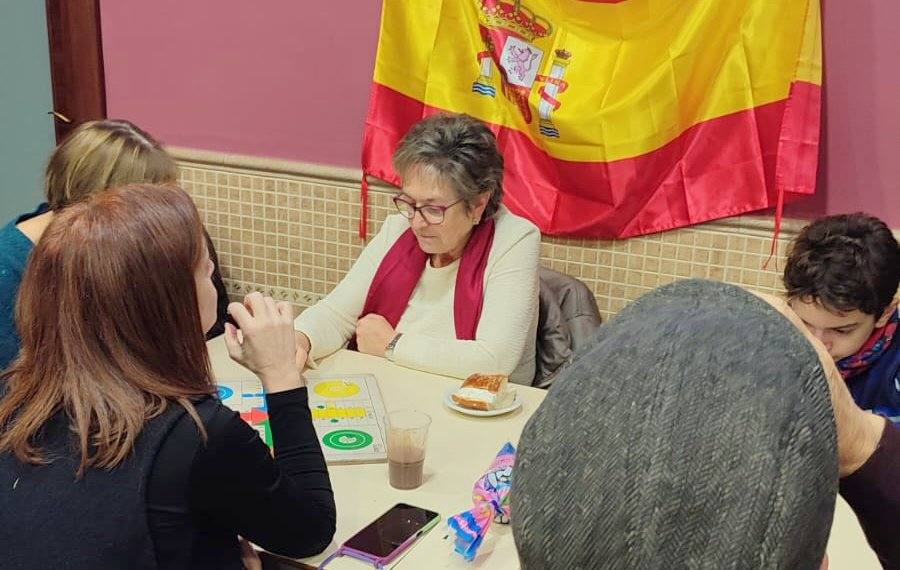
(265, 342)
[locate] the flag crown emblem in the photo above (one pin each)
(515, 17)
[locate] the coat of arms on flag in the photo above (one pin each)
(616, 118)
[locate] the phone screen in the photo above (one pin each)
(391, 529)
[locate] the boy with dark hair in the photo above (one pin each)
(841, 278)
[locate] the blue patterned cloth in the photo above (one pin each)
(877, 386)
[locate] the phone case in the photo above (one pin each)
(380, 562)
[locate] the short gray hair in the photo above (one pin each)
(461, 150)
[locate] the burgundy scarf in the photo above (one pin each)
(402, 267)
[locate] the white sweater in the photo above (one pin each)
(505, 340)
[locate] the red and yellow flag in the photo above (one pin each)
(616, 118)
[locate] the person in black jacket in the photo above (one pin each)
(114, 452)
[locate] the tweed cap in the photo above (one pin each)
(695, 432)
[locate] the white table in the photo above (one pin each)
(460, 448)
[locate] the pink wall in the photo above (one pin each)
(281, 78)
(859, 167)
(290, 79)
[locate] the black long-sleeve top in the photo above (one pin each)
(201, 496)
(873, 492)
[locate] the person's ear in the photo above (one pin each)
(480, 204)
(886, 315)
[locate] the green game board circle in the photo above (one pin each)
(347, 439)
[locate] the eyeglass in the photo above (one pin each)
(430, 213)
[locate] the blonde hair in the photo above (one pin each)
(104, 154)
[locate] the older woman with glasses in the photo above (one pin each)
(449, 286)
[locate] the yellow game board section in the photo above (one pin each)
(333, 412)
(337, 389)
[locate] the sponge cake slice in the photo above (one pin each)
(480, 391)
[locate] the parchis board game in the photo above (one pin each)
(347, 411)
(246, 396)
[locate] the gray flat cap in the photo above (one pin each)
(695, 432)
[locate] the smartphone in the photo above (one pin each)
(390, 534)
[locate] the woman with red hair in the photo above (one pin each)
(114, 452)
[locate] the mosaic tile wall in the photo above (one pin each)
(294, 236)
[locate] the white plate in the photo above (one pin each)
(515, 405)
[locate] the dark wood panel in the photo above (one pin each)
(76, 62)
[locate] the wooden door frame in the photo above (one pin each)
(76, 63)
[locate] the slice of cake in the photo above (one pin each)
(482, 392)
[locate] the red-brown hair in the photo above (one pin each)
(110, 327)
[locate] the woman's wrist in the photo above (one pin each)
(281, 380)
(391, 346)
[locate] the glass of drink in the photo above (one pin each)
(407, 433)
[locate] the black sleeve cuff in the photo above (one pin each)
(873, 494)
(294, 396)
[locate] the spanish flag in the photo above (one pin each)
(616, 118)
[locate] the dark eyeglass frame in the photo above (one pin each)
(408, 209)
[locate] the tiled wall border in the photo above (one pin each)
(290, 229)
